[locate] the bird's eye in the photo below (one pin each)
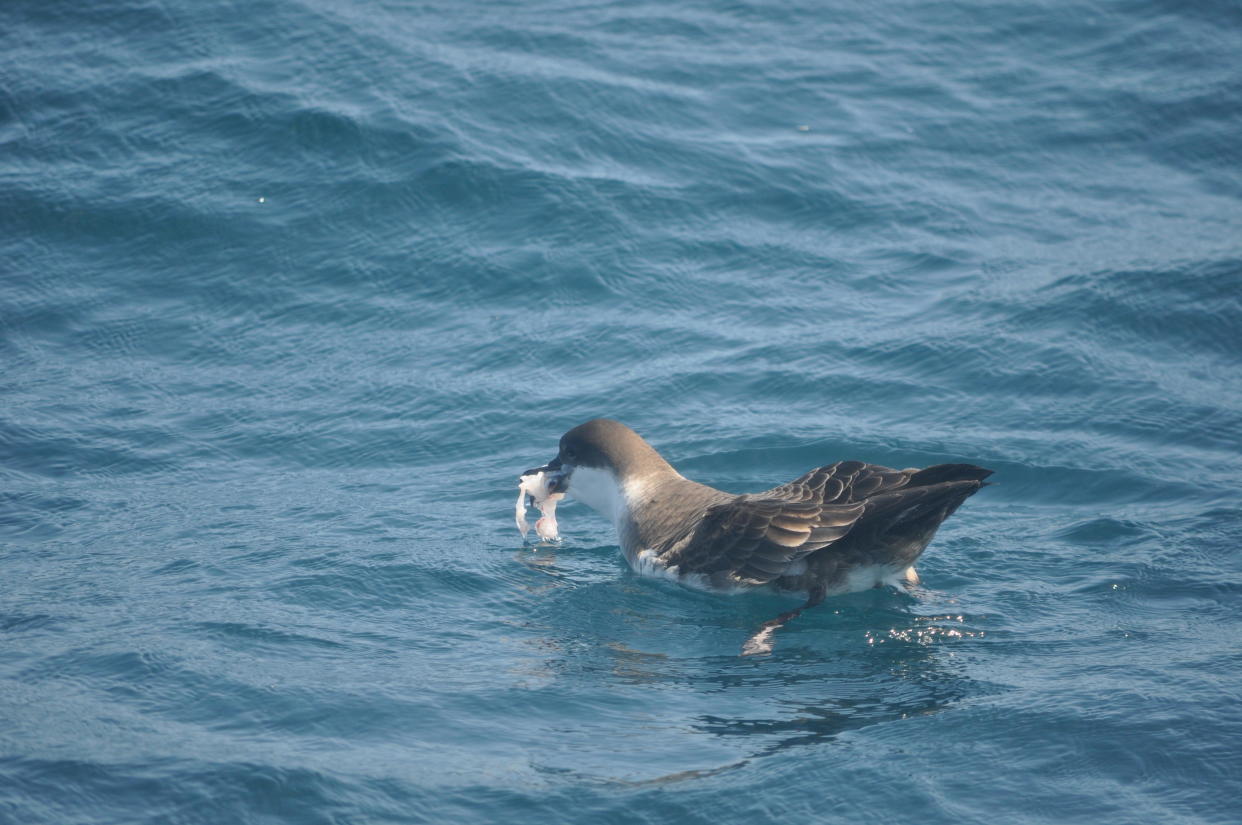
(571, 455)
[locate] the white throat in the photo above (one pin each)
(600, 490)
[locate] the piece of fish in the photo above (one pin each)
(535, 489)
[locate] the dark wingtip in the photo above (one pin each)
(940, 473)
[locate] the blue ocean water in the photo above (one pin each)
(290, 292)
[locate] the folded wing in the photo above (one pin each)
(754, 539)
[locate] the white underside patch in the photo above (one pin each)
(872, 575)
(860, 578)
(647, 564)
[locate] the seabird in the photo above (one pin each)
(839, 528)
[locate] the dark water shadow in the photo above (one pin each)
(855, 662)
(925, 688)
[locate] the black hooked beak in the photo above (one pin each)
(558, 479)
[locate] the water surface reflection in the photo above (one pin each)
(662, 711)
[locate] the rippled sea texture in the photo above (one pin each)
(291, 291)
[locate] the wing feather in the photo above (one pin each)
(755, 538)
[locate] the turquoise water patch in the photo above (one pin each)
(290, 293)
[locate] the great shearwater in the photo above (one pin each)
(839, 528)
